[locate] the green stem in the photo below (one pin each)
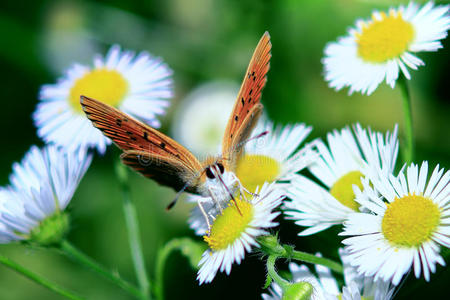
(408, 152)
(271, 246)
(161, 259)
(273, 273)
(133, 231)
(309, 258)
(38, 279)
(192, 250)
(68, 249)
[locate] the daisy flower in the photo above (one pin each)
(339, 167)
(138, 85)
(406, 222)
(200, 121)
(379, 48)
(234, 232)
(42, 185)
(356, 287)
(271, 158)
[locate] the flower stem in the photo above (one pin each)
(68, 249)
(309, 258)
(38, 279)
(283, 283)
(189, 248)
(133, 231)
(161, 259)
(271, 246)
(408, 152)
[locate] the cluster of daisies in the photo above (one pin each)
(393, 221)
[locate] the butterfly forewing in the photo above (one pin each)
(145, 149)
(247, 107)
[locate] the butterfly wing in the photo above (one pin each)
(172, 164)
(247, 108)
(164, 170)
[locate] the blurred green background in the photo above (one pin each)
(201, 40)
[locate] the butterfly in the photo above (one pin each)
(157, 156)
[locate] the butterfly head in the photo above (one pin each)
(215, 170)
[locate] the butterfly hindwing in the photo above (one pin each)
(133, 136)
(244, 114)
(164, 170)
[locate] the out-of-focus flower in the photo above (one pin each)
(339, 167)
(138, 85)
(200, 121)
(235, 229)
(379, 48)
(41, 187)
(406, 222)
(325, 286)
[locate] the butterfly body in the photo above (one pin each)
(162, 159)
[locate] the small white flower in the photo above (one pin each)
(406, 222)
(138, 85)
(379, 48)
(42, 186)
(234, 232)
(325, 286)
(200, 121)
(339, 167)
(271, 158)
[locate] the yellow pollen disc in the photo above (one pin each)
(342, 189)
(230, 225)
(410, 220)
(385, 39)
(254, 169)
(107, 86)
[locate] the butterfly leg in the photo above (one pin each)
(242, 188)
(202, 209)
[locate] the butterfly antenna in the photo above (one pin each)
(249, 139)
(174, 201)
(256, 137)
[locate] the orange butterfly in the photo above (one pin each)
(159, 157)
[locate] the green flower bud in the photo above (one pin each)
(298, 291)
(270, 245)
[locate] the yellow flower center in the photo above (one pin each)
(410, 220)
(229, 225)
(384, 39)
(255, 169)
(107, 86)
(342, 189)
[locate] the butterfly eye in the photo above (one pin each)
(221, 168)
(209, 173)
